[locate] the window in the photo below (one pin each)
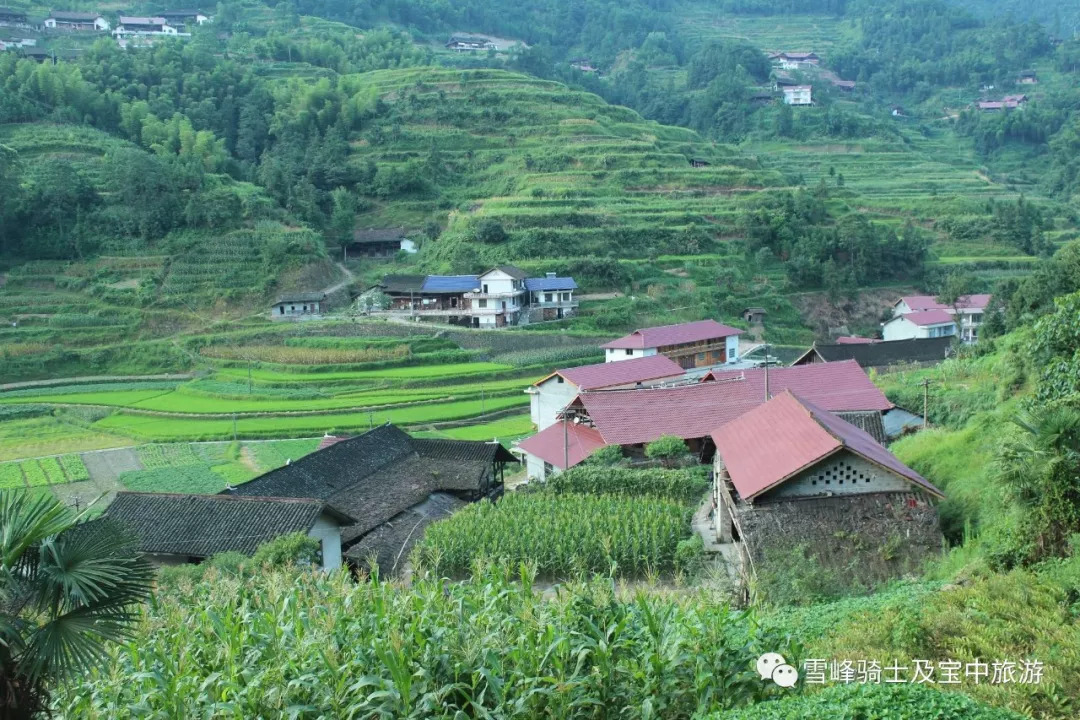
(547, 297)
(281, 309)
(701, 357)
(485, 289)
(559, 379)
(976, 317)
(629, 352)
(481, 303)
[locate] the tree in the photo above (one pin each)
(67, 587)
(607, 455)
(667, 448)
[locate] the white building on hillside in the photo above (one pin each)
(692, 345)
(921, 316)
(498, 298)
(799, 95)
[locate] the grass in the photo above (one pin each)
(48, 435)
(506, 429)
(180, 479)
(421, 372)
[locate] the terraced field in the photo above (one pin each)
(578, 176)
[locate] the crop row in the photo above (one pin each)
(180, 479)
(561, 534)
(43, 472)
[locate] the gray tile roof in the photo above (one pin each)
(883, 354)
(202, 525)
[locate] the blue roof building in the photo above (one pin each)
(450, 283)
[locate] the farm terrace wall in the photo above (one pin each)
(869, 538)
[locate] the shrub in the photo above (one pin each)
(606, 456)
(686, 485)
(666, 448)
(795, 576)
(295, 548)
(690, 555)
(862, 701)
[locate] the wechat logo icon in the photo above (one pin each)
(772, 666)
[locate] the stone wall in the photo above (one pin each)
(868, 538)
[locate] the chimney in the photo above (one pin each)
(550, 275)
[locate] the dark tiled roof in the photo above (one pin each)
(300, 297)
(381, 473)
(883, 354)
(512, 270)
(390, 543)
(375, 235)
(74, 16)
(202, 525)
(402, 283)
(870, 423)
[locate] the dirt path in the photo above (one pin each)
(104, 467)
(93, 379)
(349, 279)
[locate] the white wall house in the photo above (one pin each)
(704, 343)
(967, 314)
(298, 306)
(799, 95)
(925, 324)
(64, 20)
(498, 298)
(144, 26)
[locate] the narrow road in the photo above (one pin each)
(349, 279)
(93, 379)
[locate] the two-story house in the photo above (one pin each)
(499, 297)
(695, 344)
(922, 316)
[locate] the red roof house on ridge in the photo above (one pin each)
(694, 344)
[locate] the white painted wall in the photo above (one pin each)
(328, 533)
(534, 467)
(407, 244)
(616, 354)
(732, 348)
(552, 396)
(843, 474)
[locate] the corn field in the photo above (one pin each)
(305, 355)
(284, 644)
(562, 534)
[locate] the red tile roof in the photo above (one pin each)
(929, 302)
(329, 440)
(554, 446)
(627, 417)
(673, 335)
(623, 372)
(855, 340)
(929, 317)
(779, 439)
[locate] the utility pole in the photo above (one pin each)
(482, 411)
(249, 379)
(766, 372)
(565, 445)
(234, 427)
(371, 420)
(925, 400)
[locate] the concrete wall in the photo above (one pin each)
(534, 467)
(614, 355)
(552, 397)
(732, 348)
(842, 474)
(328, 532)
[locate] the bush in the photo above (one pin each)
(606, 456)
(667, 448)
(862, 701)
(687, 485)
(690, 555)
(295, 548)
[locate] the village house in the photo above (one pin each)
(856, 340)
(1028, 77)
(551, 297)
(795, 60)
(789, 473)
(922, 316)
(391, 485)
(754, 315)
(1009, 102)
(298, 306)
(173, 529)
(549, 395)
(783, 79)
(40, 55)
(632, 418)
(469, 43)
(76, 21)
(699, 162)
(798, 95)
(923, 352)
(843, 85)
(584, 65)
(380, 242)
(17, 43)
(692, 345)
(13, 18)
(501, 297)
(187, 16)
(147, 26)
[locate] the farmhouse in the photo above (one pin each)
(795, 60)
(144, 26)
(922, 316)
(13, 18)
(173, 529)
(76, 21)
(798, 95)
(501, 297)
(695, 344)
(856, 340)
(923, 352)
(549, 395)
(17, 43)
(469, 43)
(184, 17)
(843, 85)
(40, 55)
(691, 411)
(298, 306)
(1009, 102)
(789, 473)
(1028, 77)
(754, 315)
(380, 242)
(391, 484)
(782, 79)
